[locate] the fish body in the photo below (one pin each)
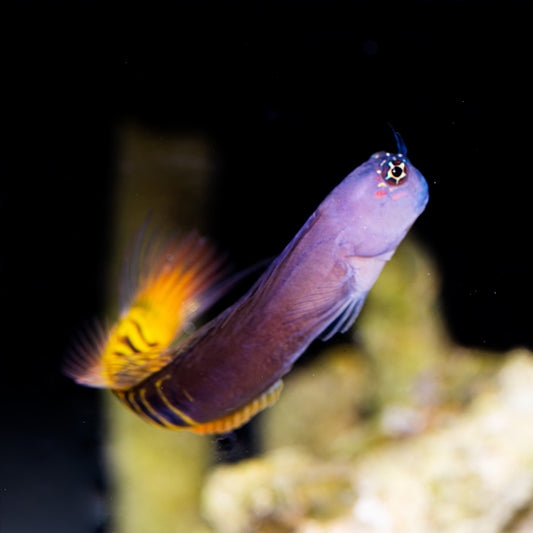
(232, 367)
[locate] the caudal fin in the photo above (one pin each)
(168, 285)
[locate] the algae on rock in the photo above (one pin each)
(155, 475)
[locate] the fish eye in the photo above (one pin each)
(394, 171)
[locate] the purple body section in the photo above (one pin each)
(315, 288)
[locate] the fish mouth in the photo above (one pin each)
(422, 196)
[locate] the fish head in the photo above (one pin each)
(378, 203)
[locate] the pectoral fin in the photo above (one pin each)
(327, 311)
(345, 318)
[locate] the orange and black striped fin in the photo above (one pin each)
(137, 401)
(175, 281)
(110, 359)
(238, 418)
(155, 263)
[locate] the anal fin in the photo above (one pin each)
(239, 417)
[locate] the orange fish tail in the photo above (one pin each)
(169, 287)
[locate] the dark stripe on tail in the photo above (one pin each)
(141, 334)
(132, 400)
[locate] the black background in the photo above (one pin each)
(294, 95)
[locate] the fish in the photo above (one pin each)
(166, 284)
(231, 368)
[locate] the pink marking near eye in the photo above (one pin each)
(380, 193)
(398, 195)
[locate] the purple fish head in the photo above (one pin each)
(378, 202)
